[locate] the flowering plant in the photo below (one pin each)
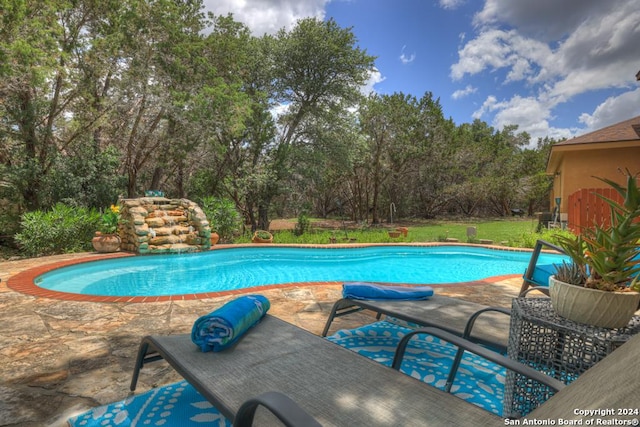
(110, 220)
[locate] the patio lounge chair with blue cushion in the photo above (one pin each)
(335, 386)
(339, 388)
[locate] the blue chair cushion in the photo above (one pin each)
(542, 273)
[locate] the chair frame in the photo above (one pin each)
(528, 275)
(437, 312)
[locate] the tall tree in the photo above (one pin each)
(161, 38)
(40, 42)
(317, 66)
(404, 134)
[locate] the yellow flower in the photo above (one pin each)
(115, 209)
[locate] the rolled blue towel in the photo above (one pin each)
(373, 291)
(221, 328)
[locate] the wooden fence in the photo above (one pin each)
(586, 209)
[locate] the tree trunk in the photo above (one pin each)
(263, 215)
(131, 183)
(157, 176)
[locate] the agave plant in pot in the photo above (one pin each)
(601, 284)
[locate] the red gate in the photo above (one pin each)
(586, 209)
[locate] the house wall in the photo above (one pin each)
(577, 168)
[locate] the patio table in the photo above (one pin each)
(554, 345)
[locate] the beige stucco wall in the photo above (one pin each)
(573, 170)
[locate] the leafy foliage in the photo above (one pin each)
(107, 99)
(570, 273)
(110, 219)
(303, 224)
(59, 230)
(223, 217)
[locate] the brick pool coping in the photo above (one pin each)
(24, 282)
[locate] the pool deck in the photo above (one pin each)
(60, 356)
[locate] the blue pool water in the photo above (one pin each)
(245, 267)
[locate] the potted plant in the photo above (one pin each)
(262, 236)
(601, 284)
(106, 238)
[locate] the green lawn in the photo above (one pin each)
(514, 232)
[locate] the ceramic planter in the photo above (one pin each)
(592, 306)
(214, 238)
(106, 242)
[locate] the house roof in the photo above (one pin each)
(619, 135)
(629, 130)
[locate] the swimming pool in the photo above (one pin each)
(245, 267)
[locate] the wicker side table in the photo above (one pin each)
(554, 345)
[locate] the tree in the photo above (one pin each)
(316, 67)
(161, 42)
(41, 47)
(429, 165)
(390, 123)
(407, 143)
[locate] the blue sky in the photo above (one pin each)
(554, 68)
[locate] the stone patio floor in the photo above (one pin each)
(59, 358)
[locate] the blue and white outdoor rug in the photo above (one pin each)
(429, 359)
(176, 404)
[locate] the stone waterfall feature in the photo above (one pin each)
(151, 225)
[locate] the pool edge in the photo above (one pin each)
(24, 281)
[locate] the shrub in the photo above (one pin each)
(223, 217)
(303, 224)
(63, 229)
(528, 240)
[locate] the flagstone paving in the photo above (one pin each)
(59, 358)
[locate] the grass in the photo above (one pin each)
(513, 232)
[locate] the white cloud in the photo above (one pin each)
(530, 114)
(461, 93)
(559, 49)
(496, 48)
(375, 77)
(406, 59)
(450, 4)
(267, 16)
(613, 110)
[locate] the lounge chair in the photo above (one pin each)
(335, 386)
(448, 314)
(538, 275)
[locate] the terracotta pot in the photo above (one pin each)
(214, 238)
(394, 234)
(592, 306)
(106, 242)
(256, 239)
(403, 230)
